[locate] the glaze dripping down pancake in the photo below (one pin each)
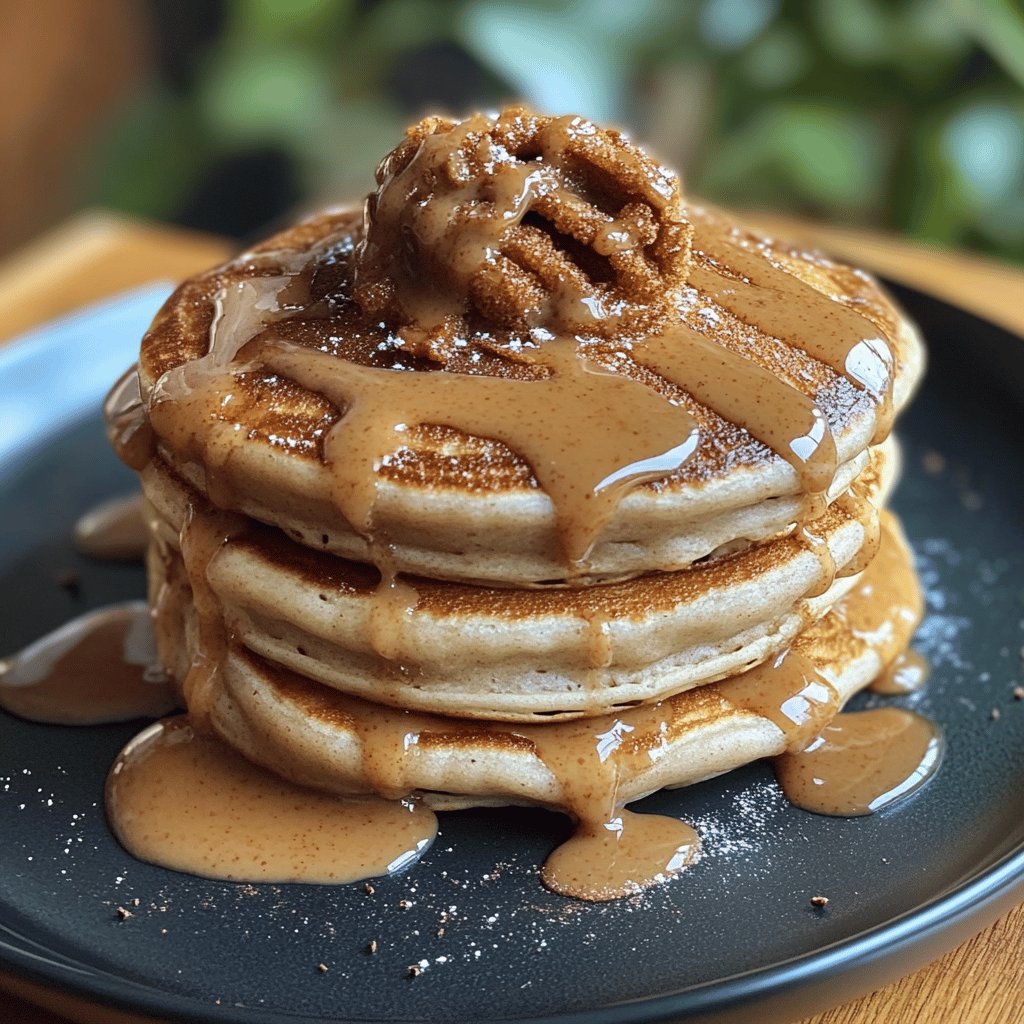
(317, 736)
(522, 654)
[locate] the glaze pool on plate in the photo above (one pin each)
(510, 949)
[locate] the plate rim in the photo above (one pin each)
(980, 898)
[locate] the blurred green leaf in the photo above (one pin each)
(778, 59)
(999, 26)
(906, 112)
(861, 31)
(264, 93)
(388, 29)
(269, 20)
(149, 160)
(1003, 225)
(828, 155)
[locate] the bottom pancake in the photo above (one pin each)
(318, 737)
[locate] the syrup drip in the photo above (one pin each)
(203, 536)
(861, 762)
(186, 801)
(800, 316)
(881, 614)
(857, 505)
(818, 546)
(115, 531)
(589, 435)
(245, 308)
(394, 602)
(621, 857)
(889, 580)
(128, 428)
(600, 646)
(789, 692)
(744, 393)
(906, 673)
(100, 667)
(613, 852)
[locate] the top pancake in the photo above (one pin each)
(451, 505)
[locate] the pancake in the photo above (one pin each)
(232, 379)
(517, 654)
(533, 482)
(318, 737)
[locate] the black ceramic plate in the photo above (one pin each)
(734, 930)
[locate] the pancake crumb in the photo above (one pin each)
(123, 913)
(322, 968)
(1018, 693)
(995, 714)
(371, 947)
(368, 889)
(68, 579)
(819, 901)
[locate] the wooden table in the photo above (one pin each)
(98, 254)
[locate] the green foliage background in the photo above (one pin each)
(902, 113)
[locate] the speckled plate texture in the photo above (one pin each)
(733, 933)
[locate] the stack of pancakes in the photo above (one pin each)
(362, 584)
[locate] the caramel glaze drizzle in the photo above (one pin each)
(745, 282)
(741, 391)
(127, 423)
(589, 435)
(880, 612)
(204, 534)
(906, 673)
(614, 852)
(115, 530)
(861, 762)
(182, 799)
(100, 667)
